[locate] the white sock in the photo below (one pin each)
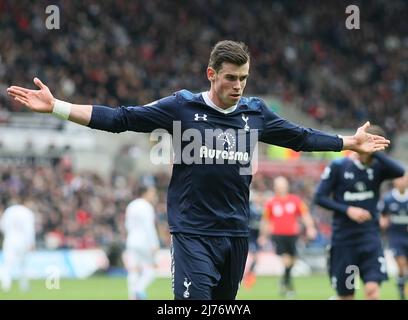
(6, 279)
(24, 283)
(146, 277)
(132, 280)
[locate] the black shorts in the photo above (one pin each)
(285, 244)
(207, 268)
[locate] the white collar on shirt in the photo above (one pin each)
(360, 165)
(400, 197)
(211, 104)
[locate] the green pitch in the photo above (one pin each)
(314, 287)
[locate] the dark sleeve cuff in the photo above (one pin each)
(321, 141)
(106, 118)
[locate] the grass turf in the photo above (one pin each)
(315, 287)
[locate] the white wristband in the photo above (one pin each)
(61, 109)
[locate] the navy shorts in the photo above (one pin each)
(347, 264)
(207, 268)
(399, 247)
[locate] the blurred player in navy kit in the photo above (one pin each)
(350, 187)
(255, 217)
(394, 210)
(208, 207)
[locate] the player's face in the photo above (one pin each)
(151, 195)
(364, 158)
(228, 84)
(401, 183)
(281, 185)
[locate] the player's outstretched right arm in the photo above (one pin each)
(159, 114)
(43, 101)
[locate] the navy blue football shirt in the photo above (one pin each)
(348, 182)
(395, 205)
(208, 192)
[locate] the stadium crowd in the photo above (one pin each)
(132, 52)
(84, 210)
(74, 210)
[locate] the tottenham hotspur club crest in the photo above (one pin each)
(246, 127)
(187, 284)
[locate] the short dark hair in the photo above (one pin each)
(142, 189)
(228, 51)
(377, 130)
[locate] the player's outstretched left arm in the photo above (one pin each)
(43, 101)
(364, 142)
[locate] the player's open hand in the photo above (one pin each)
(36, 100)
(357, 214)
(384, 222)
(365, 142)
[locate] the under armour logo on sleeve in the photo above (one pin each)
(198, 117)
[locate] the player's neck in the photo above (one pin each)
(216, 101)
(363, 159)
(400, 195)
(402, 191)
(281, 195)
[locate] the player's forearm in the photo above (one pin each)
(81, 114)
(349, 142)
(328, 203)
(78, 113)
(264, 228)
(314, 140)
(307, 220)
(94, 116)
(393, 168)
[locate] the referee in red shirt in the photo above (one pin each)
(280, 220)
